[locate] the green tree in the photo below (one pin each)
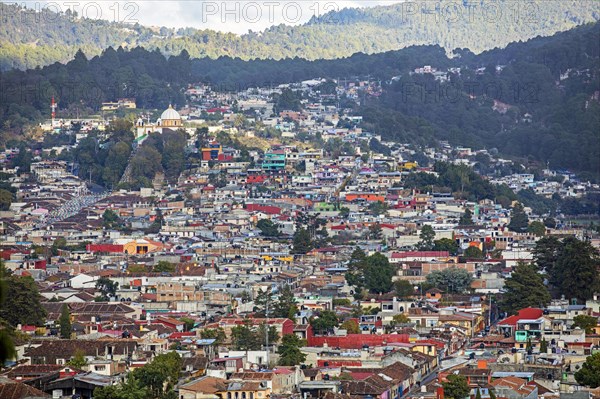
(7, 347)
(341, 302)
(268, 228)
(65, 322)
(543, 345)
(404, 289)
(400, 319)
(6, 198)
(160, 375)
(375, 232)
(131, 389)
(378, 208)
(524, 288)
(60, 243)
(518, 219)
(22, 302)
(456, 387)
(115, 163)
(324, 322)
(244, 337)
(344, 212)
(474, 253)
(189, 323)
(78, 361)
(589, 373)
(585, 322)
(452, 279)
(537, 228)
(466, 218)
(264, 303)
(289, 350)
(351, 326)
(285, 306)
(107, 288)
(427, 235)
(302, 242)
(372, 272)
(261, 335)
(110, 219)
(546, 252)
(576, 271)
(164, 267)
(446, 244)
(378, 274)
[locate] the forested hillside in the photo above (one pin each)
(548, 89)
(542, 102)
(28, 40)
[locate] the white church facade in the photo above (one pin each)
(170, 119)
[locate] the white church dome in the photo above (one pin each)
(170, 115)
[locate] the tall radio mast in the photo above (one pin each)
(53, 108)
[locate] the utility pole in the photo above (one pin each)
(267, 328)
(490, 313)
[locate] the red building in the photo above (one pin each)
(357, 341)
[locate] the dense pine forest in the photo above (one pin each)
(29, 39)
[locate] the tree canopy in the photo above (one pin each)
(22, 304)
(372, 272)
(589, 374)
(289, 350)
(524, 288)
(450, 280)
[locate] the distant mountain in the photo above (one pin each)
(538, 100)
(29, 40)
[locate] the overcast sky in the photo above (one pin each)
(229, 16)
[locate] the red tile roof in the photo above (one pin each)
(420, 254)
(523, 314)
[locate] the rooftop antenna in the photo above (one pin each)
(53, 108)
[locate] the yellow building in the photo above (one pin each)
(142, 246)
(408, 166)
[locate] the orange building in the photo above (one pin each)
(365, 197)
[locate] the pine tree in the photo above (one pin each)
(543, 346)
(7, 347)
(427, 236)
(65, 322)
(576, 271)
(289, 350)
(285, 306)
(302, 242)
(519, 222)
(524, 288)
(456, 387)
(466, 219)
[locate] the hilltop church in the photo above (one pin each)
(170, 119)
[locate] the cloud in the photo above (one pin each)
(237, 16)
